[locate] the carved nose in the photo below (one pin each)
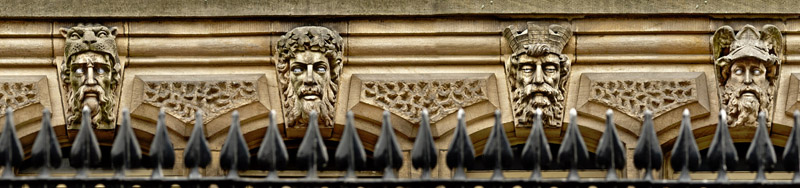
(310, 75)
(90, 41)
(90, 76)
(538, 76)
(748, 79)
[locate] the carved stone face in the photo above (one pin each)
(90, 73)
(538, 84)
(747, 67)
(309, 61)
(537, 72)
(746, 91)
(309, 77)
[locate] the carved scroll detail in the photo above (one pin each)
(407, 98)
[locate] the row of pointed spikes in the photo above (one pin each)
(350, 154)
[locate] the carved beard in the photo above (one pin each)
(301, 110)
(526, 103)
(99, 108)
(744, 110)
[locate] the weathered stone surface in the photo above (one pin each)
(241, 8)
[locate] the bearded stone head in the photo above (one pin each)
(747, 67)
(90, 73)
(537, 72)
(309, 62)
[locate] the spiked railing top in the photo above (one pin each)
(460, 152)
(685, 154)
(10, 147)
(46, 148)
(312, 149)
(197, 153)
(761, 154)
(125, 151)
(424, 154)
(234, 154)
(272, 154)
(722, 149)
(610, 151)
(350, 152)
(161, 150)
(85, 149)
(573, 150)
(387, 150)
(536, 150)
(497, 149)
(647, 154)
(791, 153)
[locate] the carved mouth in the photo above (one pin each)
(748, 93)
(89, 94)
(310, 97)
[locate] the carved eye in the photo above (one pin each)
(102, 34)
(297, 70)
(757, 71)
(101, 71)
(320, 69)
(78, 71)
(74, 36)
(527, 69)
(738, 71)
(550, 69)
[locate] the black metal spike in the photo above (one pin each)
(497, 151)
(610, 152)
(162, 154)
(791, 153)
(387, 151)
(761, 155)
(461, 151)
(647, 154)
(272, 153)
(85, 149)
(197, 154)
(537, 150)
(350, 152)
(46, 149)
(722, 154)
(573, 152)
(685, 155)
(234, 155)
(424, 155)
(312, 151)
(125, 152)
(10, 148)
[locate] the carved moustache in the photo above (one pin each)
(310, 93)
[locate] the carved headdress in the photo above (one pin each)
(766, 46)
(537, 40)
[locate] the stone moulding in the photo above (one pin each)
(793, 96)
(27, 96)
(405, 95)
(666, 94)
(217, 96)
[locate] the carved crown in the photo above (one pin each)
(550, 39)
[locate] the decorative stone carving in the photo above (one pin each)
(309, 63)
(18, 92)
(182, 99)
(537, 72)
(633, 97)
(91, 74)
(747, 67)
(407, 98)
(405, 95)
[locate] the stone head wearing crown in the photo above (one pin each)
(537, 72)
(90, 73)
(747, 67)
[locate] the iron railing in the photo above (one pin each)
(350, 153)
